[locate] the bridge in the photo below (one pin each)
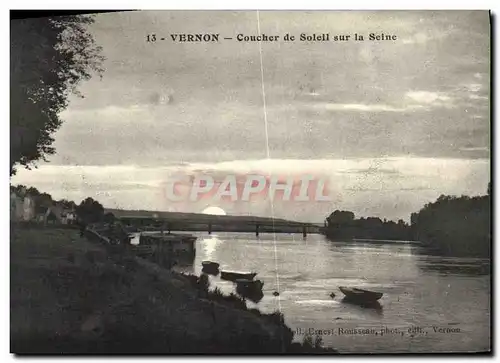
(210, 223)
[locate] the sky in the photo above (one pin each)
(391, 124)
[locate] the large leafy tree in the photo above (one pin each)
(49, 58)
(90, 211)
(455, 225)
(340, 217)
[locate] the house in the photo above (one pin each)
(16, 207)
(69, 216)
(57, 213)
(22, 207)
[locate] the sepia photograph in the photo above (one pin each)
(250, 182)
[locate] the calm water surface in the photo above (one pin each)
(419, 290)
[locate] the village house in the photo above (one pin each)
(58, 213)
(22, 206)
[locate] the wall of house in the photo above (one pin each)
(21, 208)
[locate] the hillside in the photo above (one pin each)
(69, 295)
(177, 216)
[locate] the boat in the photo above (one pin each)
(250, 289)
(360, 295)
(210, 264)
(233, 276)
(254, 284)
(211, 268)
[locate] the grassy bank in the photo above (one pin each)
(69, 295)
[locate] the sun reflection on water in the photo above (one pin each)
(210, 245)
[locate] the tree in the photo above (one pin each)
(42, 202)
(90, 211)
(19, 189)
(109, 218)
(32, 191)
(340, 217)
(455, 226)
(67, 204)
(49, 58)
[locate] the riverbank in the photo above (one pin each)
(69, 295)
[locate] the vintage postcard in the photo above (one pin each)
(250, 182)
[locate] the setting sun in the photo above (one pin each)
(214, 211)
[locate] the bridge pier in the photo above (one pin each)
(304, 231)
(210, 228)
(257, 230)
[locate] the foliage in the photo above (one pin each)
(314, 345)
(455, 225)
(42, 200)
(23, 190)
(318, 342)
(90, 211)
(449, 226)
(307, 341)
(203, 283)
(340, 217)
(343, 225)
(109, 217)
(276, 317)
(49, 58)
(67, 204)
(231, 300)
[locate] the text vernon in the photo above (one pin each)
(205, 37)
(445, 330)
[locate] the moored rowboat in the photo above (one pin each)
(209, 267)
(233, 276)
(360, 294)
(210, 264)
(251, 284)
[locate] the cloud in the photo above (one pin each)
(418, 38)
(215, 112)
(380, 190)
(473, 87)
(475, 148)
(427, 97)
(419, 100)
(391, 181)
(372, 170)
(158, 98)
(476, 97)
(365, 107)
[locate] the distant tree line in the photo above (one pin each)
(341, 225)
(455, 226)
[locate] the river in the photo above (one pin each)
(430, 304)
